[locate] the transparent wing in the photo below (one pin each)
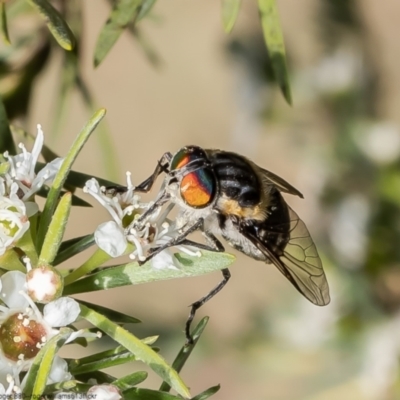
(300, 259)
(299, 262)
(280, 183)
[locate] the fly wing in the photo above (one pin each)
(279, 183)
(299, 262)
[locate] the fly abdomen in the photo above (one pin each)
(275, 229)
(236, 177)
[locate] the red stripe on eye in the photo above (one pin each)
(183, 162)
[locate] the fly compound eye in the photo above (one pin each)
(198, 188)
(197, 182)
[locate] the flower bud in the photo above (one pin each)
(44, 284)
(21, 337)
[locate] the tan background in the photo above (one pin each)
(194, 98)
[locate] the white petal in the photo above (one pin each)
(6, 368)
(37, 146)
(164, 260)
(111, 239)
(13, 282)
(31, 208)
(104, 392)
(49, 171)
(61, 312)
(59, 371)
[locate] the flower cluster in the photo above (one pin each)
(37, 317)
(24, 328)
(115, 236)
(18, 185)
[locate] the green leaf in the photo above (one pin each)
(101, 377)
(145, 8)
(78, 202)
(276, 47)
(78, 179)
(72, 247)
(60, 178)
(56, 24)
(66, 84)
(74, 179)
(11, 261)
(56, 231)
(4, 27)
(207, 393)
(147, 394)
(123, 12)
(60, 386)
(230, 11)
(142, 351)
(74, 365)
(185, 351)
(130, 380)
(75, 201)
(115, 316)
(150, 53)
(105, 359)
(98, 258)
(133, 274)
(6, 140)
(40, 369)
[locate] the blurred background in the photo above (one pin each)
(180, 80)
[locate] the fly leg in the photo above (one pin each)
(196, 305)
(146, 185)
(214, 245)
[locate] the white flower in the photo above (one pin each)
(14, 220)
(104, 392)
(24, 330)
(22, 168)
(114, 236)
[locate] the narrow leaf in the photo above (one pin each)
(185, 351)
(72, 247)
(67, 80)
(56, 231)
(98, 258)
(74, 179)
(230, 11)
(101, 377)
(122, 357)
(273, 37)
(145, 8)
(6, 140)
(75, 364)
(4, 26)
(62, 174)
(131, 380)
(115, 316)
(123, 12)
(78, 179)
(150, 53)
(142, 351)
(133, 274)
(60, 386)
(207, 393)
(56, 24)
(40, 369)
(148, 394)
